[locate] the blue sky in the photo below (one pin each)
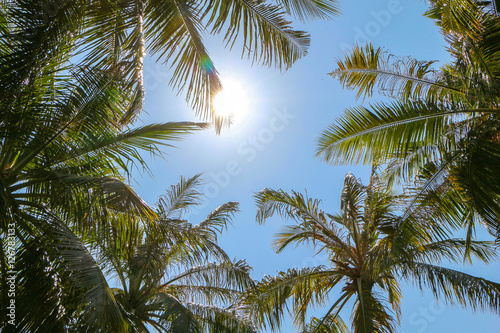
(273, 145)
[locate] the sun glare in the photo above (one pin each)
(232, 101)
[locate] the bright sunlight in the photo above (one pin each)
(232, 101)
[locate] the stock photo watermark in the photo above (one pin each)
(422, 318)
(11, 273)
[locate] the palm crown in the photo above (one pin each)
(173, 276)
(444, 124)
(371, 246)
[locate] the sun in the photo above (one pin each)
(232, 101)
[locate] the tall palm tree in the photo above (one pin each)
(172, 275)
(64, 158)
(444, 124)
(117, 34)
(372, 245)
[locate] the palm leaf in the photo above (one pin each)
(364, 68)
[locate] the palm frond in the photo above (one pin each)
(365, 68)
(268, 301)
(180, 197)
(311, 9)
(456, 287)
(330, 324)
(215, 319)
(267, 35)
(386, 131)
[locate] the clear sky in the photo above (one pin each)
(273, 145)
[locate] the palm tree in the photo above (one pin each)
(372, 245)
(116, 34)
(444, 123)
(64, 156)
(173, 275)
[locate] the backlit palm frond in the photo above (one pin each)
(71, 275)
(386, 131)
(267, 35)
(125, 147)
(311, 9)
(37, 42)
(203, 294)
(300, 288)
(459, 16)
(454, 250)
(218, 219)
(351, 201)
(174, 316)
(216, 319)
(111, 192)
(180, 197)
(232, 275)
(365, 68)
(294, 206)
(403, 170)
(185, 244)
(478, 174)
(114, 40)
(370, 314)
(331, 324)
(174, 34)
(312, 225)
(474, 47)
(456, 287)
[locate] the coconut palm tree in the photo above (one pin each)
(372, 245)
(64, 156)
(116, 34)
(173, 276)
(170, 276)
(446, 120)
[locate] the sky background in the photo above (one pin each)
(273, 145)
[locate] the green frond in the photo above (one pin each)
(330, 324)
(455, 287)
(312, 225)
(74, 274)
(232, 275)
(180, 197)
(174, 34)
(176, 316)
(370, 314)
(365, 68)
(300, 288)
(311, 9)
(294, 206)
(203, 294)
(459, 16)
(216, 319)
(386, 131)
(478, 174)
(267, 36)
(455, 250)
(126, 146)
(218, 219)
